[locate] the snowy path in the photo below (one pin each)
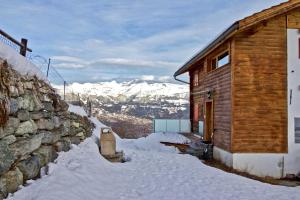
(154, 172)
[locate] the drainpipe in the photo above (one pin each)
(175, 77)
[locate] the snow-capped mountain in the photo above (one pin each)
(129, 107)
(132, 91)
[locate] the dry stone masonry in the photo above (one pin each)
(34, 125)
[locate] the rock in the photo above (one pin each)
(13, 91)
(48, 106)
(37, 103)
(65, 128)
(41, 114)
(20, 87)
(75, 140)
(44, 90)
(28, 85)
(75, 124)
(30, 167)
(63, 145)
(23, 115)
(28, 127)
(47, 114)
(45, 124)
(25, 102)
(26, 146)
(7, 158)
(9, 139)
(13, 179)
(80, 135)
(2, 134)
(49, 137)
(13, 106)
(46, 98)
(36, 115)
(3, 189)
(63, 114)
(61, 105)
(56, 122)
(46, 154)
(10, 127)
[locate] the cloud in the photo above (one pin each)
(121, 39)
(164, 78)
(75, 62)
(147, 78)
(67, 59)
(69, 65)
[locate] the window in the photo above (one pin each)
(196, 79)
(201, 128)
(223, 59)
(220, 60)
(297, 130)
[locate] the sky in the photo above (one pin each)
(122, 40)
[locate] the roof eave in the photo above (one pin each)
(220, 39)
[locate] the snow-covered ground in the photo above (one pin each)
(153, 171)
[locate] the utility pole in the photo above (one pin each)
(48, 67)
(64, 90)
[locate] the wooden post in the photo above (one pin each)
(23, 48)
(64, 90)
(90, 108)
(48, 67)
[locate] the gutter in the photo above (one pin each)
(175, 77)
(234, 27)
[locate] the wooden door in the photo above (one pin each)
(209, 119)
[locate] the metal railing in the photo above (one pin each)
(12, 42)
(56, 80)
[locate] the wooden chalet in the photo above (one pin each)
(245, 88)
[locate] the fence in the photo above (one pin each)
(18, 46)
(175, 126)
(172, 125)
(56, 80)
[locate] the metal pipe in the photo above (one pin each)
(175, 77)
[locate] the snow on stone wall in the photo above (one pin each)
(37, 127)
(19, 62)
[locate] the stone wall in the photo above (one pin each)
(34, 125)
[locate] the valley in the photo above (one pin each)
(130, 107)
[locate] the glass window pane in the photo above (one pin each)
(223, 59)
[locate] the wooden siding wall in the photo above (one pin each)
(220, 81)
(293, 19)
(260, 89)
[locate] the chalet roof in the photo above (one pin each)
(239, 26)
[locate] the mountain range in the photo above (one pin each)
(132, 104)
